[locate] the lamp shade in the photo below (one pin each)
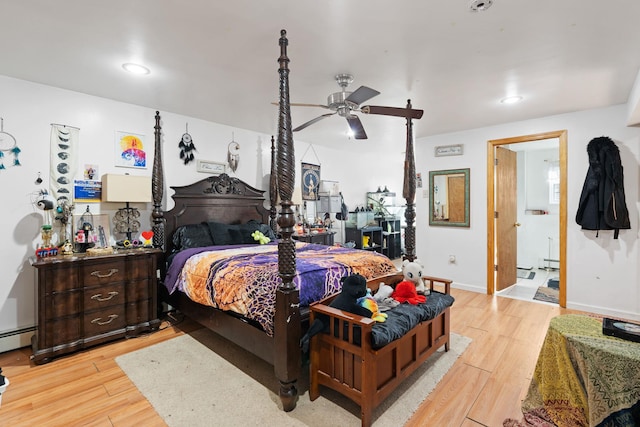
(296, 197)
(126, 188)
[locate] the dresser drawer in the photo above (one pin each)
(104, 296)
(139, 311)
(139, 290)
(61, 304)
(63, 278)
(61, 331)
(99, 274)
(106, 320)
(141, 267)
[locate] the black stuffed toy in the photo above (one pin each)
(353, 287)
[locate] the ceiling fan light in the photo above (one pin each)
(136, 68)
(511, 99)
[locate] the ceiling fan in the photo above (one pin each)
(345, 103)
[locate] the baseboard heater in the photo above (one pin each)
(18, 338)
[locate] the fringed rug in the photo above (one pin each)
(191, 384)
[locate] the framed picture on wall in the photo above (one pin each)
(130, 150)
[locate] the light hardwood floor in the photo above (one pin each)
(485, 386)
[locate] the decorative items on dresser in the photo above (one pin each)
(83, 300)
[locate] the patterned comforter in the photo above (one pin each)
(243, 279)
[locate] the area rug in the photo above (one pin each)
(547, 294)
(189, 384)
(525, 274)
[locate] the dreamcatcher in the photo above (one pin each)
(8, 144)
(186, 146)
(233, 154)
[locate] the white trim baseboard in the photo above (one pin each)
(13, 340)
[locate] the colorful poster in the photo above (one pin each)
(130, 151)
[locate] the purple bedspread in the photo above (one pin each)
(244, 278)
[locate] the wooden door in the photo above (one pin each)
(456, 198)
(506, 218)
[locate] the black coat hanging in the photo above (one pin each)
(602, 203)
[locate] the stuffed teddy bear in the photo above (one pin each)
(383, 297)
(371, 304)
(407, 290)
(354, 287)
(260, 238)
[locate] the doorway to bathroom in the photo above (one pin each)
(526, 214)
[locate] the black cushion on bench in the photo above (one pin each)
(404, 317)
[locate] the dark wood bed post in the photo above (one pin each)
(287, 312)
(157, 189)
(409, 192)
(273, 189)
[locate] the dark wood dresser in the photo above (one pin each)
(83, 300)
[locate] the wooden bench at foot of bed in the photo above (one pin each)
(361, 373)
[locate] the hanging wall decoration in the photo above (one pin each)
(130, 152)
(233, 154)
(310, 176)
(64, 147)
(64, 151)
(186, 146)
(8, 148)
(310, 181)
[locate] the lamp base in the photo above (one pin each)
(126, 221)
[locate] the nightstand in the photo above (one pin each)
(84, 300)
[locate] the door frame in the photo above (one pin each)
(561, 135)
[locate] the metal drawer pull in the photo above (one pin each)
(97, 321)
(98, 297)
(102, 276)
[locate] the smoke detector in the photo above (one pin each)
(480, 5)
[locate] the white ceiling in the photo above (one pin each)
(217, 60)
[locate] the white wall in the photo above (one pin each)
(28, 110)
(603, 274)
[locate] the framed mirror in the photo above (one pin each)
(449, 198)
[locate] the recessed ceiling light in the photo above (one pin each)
(135, 68)
(480, 5)
(511, 99)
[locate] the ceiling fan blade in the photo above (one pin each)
(408, 113)
(356, 127)
(312, 121)
(294, 104)
(362, 94)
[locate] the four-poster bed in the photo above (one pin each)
(231, 201)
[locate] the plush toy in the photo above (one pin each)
(407, 290)
(412, 271)
(353, 288)
(371, 304)
(383, 297)
(365, 241)
(260, 238)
